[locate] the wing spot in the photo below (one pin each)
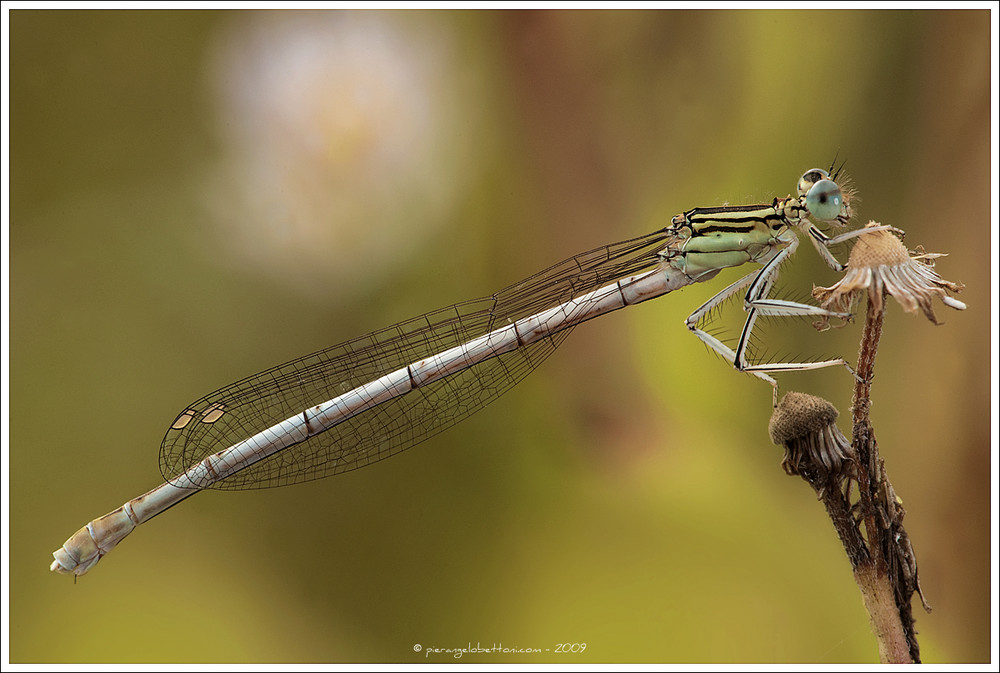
(213, 413)
(186, 417)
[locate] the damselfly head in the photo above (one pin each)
(824, 198)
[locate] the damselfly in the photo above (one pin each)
(367, 399)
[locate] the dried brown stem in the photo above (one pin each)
(870, 527)
(886, 583)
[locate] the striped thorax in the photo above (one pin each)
(710, 239)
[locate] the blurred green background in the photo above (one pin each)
(199, 195)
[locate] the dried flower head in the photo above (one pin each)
(879, 263)
(814, 445)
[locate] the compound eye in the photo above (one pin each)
(810, 178)
(825, 201)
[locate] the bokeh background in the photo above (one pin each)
(198, 195)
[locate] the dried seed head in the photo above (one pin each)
(879, 248)
(799, 414)
(878, 264)
(814, 446)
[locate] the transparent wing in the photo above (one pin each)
(238, 411)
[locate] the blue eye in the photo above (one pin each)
(825, 200)
(810, 178)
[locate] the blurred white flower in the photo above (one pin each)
(340, 141)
